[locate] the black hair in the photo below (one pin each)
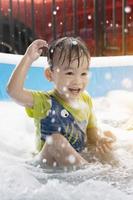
(69, 48)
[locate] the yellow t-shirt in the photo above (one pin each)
(82, 111)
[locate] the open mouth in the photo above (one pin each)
(74, 91)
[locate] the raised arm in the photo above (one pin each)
(15, 86)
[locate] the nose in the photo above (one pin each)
(77, 80)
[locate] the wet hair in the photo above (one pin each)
(67, 49)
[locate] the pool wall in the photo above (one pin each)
(106, 74)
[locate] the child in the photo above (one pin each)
(64, 117)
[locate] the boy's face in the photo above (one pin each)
(71, 80)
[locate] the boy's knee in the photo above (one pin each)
(56, 139)
(56, 142)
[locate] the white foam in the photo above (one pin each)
(19, 180)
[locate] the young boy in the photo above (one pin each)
(64, 117)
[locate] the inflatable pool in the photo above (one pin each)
(106, 73)
(111, 85)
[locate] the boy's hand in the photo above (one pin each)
(104, 144)
(36, 48)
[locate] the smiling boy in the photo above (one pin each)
(64, 118)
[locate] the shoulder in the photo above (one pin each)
(42, 103)
(41, 94)
(86, 97)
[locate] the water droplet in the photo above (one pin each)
(126, 30)
(51, 51)
(128, 9)
(64, 89)
(127, 83)
(49, 140)
(74, 42)
(53, 112)
(58, 70)
(71, 159)
(44, 160)
(63, 145)
(54, 164)
(49, 24)
(54, 12)
(53, 120)
(108, 76)
(89, 17)
(67, 95)
(57, 7)
(59, 129)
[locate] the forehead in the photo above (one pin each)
(76, 64)
(65, 60)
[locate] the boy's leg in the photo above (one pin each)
(58, 150)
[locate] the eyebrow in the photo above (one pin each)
(68, 68)
(71, 68)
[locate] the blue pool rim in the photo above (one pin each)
(106, 74)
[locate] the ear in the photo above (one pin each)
(48, 74)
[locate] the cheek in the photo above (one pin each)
(86, 80)
(67, 82)
(56, 78)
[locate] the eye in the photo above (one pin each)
(64, 113)
(69, 73)
(84, 74)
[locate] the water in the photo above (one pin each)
(21, 181)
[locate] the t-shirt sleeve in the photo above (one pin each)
(92, 121)
(40, 106)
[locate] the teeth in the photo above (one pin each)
(74, 91)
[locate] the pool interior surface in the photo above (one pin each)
(102, 79)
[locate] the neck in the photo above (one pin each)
(66, 99)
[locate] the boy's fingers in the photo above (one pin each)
(99, 149)
(109, 145)
(104, 148)
(109, 134)
(108, 139)
(40, 43)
